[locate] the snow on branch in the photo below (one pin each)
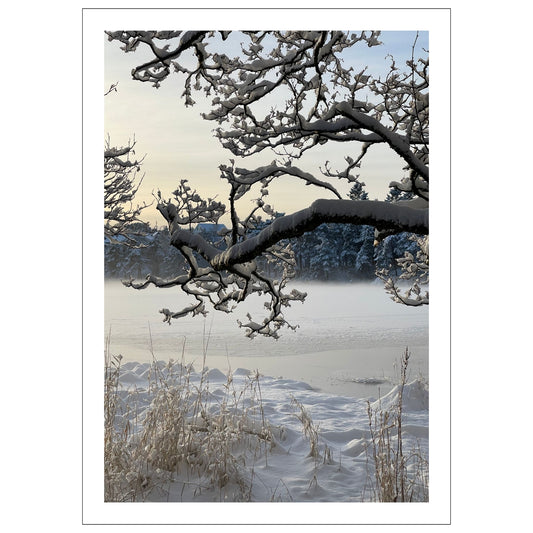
(398, 143)
(241, 176)
(381, 215)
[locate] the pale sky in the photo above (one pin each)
(178, 143)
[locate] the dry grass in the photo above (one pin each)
(309, 428)
(398, 476)
(181, 434)
(123, 475)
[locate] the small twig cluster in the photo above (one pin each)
(414, 272)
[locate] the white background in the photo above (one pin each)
(42, 216)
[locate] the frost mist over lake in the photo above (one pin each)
(349, 338)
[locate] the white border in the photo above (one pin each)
(437, 511)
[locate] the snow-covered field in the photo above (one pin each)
(280, 421)
(257, 438)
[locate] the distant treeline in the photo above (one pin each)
(335, 252)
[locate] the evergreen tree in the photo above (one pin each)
(396, 195)
(394, 246)
(357, 191)
(365, 263)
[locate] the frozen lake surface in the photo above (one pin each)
(349, 339)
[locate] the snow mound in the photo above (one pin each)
(131, 377)
(415, 397)
(215, 374)
(290, 384)
(241, 372)
(354, 448)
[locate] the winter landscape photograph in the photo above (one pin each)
(265, 293)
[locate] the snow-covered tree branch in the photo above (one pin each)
(286, 93)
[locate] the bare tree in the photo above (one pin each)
(288, 92)
(121, 184)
